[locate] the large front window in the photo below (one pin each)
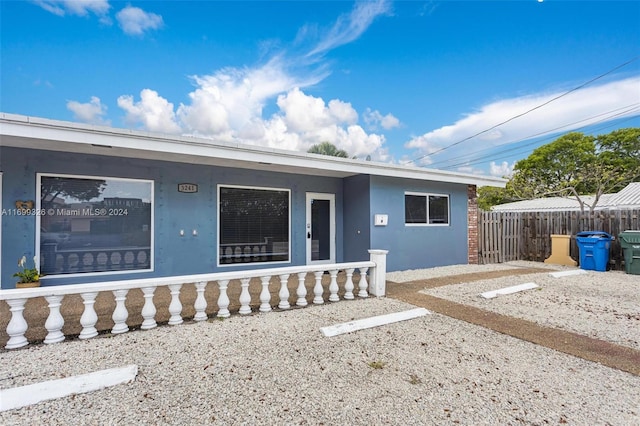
(94, 224)
(426, 209)
(253, 225)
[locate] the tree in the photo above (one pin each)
(80, 189)
(327, 148)
(490, 196)
(575, 165)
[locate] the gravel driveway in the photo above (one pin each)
(277, 368)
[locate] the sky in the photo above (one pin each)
(467, 86)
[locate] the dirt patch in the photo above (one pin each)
(606, 353)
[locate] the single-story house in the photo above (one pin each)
(94, 203)
(627, 198)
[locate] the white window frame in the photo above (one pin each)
(90, 274)
(218, 233)
(427, 195)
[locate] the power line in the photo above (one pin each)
(526, 112)
(626, 109)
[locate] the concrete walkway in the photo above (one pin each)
(606, 353)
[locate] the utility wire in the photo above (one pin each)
(627, 109)
(526, 112)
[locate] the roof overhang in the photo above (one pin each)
(38, 133)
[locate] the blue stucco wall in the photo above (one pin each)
(416, 247)
(173, 210)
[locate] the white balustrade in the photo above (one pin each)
(245, 297)
(317, 288)
(89, 317)
(333, 286)
(223, 299)
(149, 309)
(200, 305)
(348, 285)
(55, 321)
(175, 307)
(301, 291)
(120, 313)
(265, 295)
(284, 292)
(16, 299)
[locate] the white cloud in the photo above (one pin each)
(348, 28)
(375, 119)
(503, 169)
(90, 112)
(574, 111)
(153, 111)
(75, 7)
(135, 21)
(228, 104)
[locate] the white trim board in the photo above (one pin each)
(568, 273)
(52, 389)
(508, 290)
(348, 327)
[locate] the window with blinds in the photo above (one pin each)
(253, 224)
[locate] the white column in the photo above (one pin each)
(54, 322)
(149, 309)
(378, 280)
(200, 305)
(120, 313)
(317, 288)
(265, 295)
(175, 307)
(301, 292)
(17, 326)
(245, 297)
(348, 285)
(333, 286)
(89, 317)
(284, 292)
(223, 299)
(363, 284)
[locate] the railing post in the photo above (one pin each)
(55, 321)
(18, 325)
(377, 278)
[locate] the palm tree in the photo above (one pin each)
(327, 148)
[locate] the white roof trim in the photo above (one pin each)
(38, 133)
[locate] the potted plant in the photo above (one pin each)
(29, 277)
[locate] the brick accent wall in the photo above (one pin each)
(472, 224)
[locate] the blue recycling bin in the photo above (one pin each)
(594, 250)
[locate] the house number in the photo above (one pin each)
(187, 187)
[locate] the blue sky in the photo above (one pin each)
(466, 86)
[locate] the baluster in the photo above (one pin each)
(284, 292)
(175, 307)
(54, 321)
(363, 284)
(120, 313)
(348, 286)
(89, 317)
(223, 299)
(149, 309)
(17, 326)
(200, 305)
(302, 290)
(317, 289)
(245, 297)
(333, 286)
(265, 295)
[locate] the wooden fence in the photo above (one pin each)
(507, 236)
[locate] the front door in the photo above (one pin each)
(321, 228)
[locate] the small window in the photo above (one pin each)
(426, 209)
(253, 225)
(94, 224)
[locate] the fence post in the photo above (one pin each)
(377, 280)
